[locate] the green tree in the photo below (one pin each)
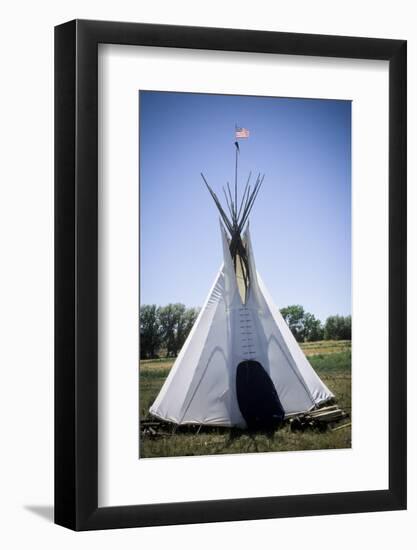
(150, 333)
(294, 317)
(169, 317)
(304, 325)
(176, 322)
(164, 327)
(347, 335)
(185, 324)
(338, 327)
(313, 329)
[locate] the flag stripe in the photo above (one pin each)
(242, 133)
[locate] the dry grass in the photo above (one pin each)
(324, 347)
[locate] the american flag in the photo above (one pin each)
(241, 133)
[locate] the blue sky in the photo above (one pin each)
(301, 220)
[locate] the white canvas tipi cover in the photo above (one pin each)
(201, 386)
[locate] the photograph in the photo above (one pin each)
(260, 359)
(198, 202)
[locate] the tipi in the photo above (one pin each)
(240, 365)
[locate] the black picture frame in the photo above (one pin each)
(76, 272)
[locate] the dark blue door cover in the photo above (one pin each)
(257, 397)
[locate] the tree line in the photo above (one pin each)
(163, 330)
(307, 328)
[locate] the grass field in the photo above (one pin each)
(330, 359)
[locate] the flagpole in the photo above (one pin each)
(236, 176)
